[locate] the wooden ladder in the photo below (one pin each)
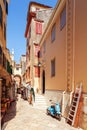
(75, 108)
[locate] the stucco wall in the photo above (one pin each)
(56, 50)
(81, 43)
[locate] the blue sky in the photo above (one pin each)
(16, 24)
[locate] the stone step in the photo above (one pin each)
(40, 102)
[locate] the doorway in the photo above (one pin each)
(43, 82)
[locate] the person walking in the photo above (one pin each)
(32, 95)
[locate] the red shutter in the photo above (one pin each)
(37, 48)
(37, 71)
(38, 28)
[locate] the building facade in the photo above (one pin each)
(61, 43)
(37, 19)
(63, 51)
(5, 60)
(7, 87)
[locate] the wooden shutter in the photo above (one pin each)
(38, 28)
(37, 49)
(37, 71)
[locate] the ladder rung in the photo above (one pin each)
(71, 115)
(73, 106)
(75, 96)
(74, 101)
(69, 119)
(72, 110)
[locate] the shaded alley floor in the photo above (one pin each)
(22, 116)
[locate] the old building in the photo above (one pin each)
(23, 68)
(6, 84)
(63, 51)
(5, 61)
(37, 19)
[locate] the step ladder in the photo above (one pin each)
(75, 106)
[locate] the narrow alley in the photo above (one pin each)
(22, 116)
(43, 65)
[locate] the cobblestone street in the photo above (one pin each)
(22, 116)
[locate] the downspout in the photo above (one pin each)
(73, 78)
(66, 42)
(73, 74)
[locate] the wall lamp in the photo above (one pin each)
(39, 64)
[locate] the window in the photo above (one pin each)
(44, 47)
(63, 18)
(37, 71)
(52, 67)
(38, 28)
(53, 33)
(37, 49)
(6, 7)
(1, 16)
(39, 54)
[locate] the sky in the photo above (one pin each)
(16, 25)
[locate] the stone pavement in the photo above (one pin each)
(22, 116)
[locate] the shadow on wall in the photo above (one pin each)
(10, 114)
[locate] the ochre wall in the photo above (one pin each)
(81, 43)
(56, 50)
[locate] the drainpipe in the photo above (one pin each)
(66, 41)
(73, 78)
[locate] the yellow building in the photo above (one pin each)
(63, 47)
(63, 50)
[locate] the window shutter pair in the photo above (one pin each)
(38, 28)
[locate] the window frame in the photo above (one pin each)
(37, 71)
(38, 27)
(53, 33)
(53, 67)
(63, 18)
(44, 46)
(5, 31)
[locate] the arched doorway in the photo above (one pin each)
(17, 79)
(43, 82)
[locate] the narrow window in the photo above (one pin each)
(53, 33)
(52, 67)
(38, 28)
(6, 7)
(37, 71)
(63, 18)
(37, 49)
(44, 47)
